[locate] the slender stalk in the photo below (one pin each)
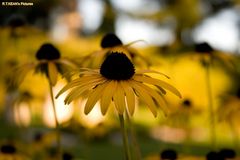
(135, 146)
(58, 134)
(235, 133)
(125, 138)
(210, 107)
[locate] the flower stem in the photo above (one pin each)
(125, 138)
(235, 133)
(58, 134)
(210, 107)
(135, 146)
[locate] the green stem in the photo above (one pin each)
(135, 145)
(234, 132)
(125, 138)
(210, 107)
(58, 134)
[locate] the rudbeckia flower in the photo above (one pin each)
(16, 24)
(118, 81)
(230, 109)
(9, 152)
(180, 117)
(213, 155)
(111, 43)
(49, 63)
(168, 154)
(208, 55)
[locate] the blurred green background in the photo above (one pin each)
(169, 29)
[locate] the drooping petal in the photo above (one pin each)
(130, 97)
(107, 96)
(157, 82)
(67, 62)
(80, 82)
(161, 90)
(119, 98)
(87, 71)
(21, 73)
(145, 97)
(158, 98)
(52, 73)
(151, 71)
(98, 58)
(94, 96)
(134, 42)
(78, 91)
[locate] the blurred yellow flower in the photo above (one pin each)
(117, 81)
(17, 25)
(9, 152)
(230, 110)
(111, 43)
(208, 55)
(50, 63)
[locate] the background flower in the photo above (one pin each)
(50, 63)
(111, 43)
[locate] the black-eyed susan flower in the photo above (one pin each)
(118, 81)
(207, 55)
(111, 43)
(227, 153)
(50, 63)
(213, 155)
(180, 117)
(67, 156)
(229, 112)
(168, 154)
(9, 152)
(230, 109)
(16, 24)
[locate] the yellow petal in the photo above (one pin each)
(151, 71)
(158, 98)
(107, 96)
(78, 91)
(67, 62)
(80, 82)
(130, 96)
(157, 82)
(98, 59)
(94, 96)
(144, 96)
(133, 42)
(21, 73)
(52, 73)
(119, 98)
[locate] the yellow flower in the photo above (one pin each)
(17, 26)
(49, 63)
(9, 152)
(111, 43)
(117, 81)
(230, 109)
(208, 55)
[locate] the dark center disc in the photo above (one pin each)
(203, 48)
(110, 40)
(47, 52)
(117, 66)
(169, 154)
(8, 149)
